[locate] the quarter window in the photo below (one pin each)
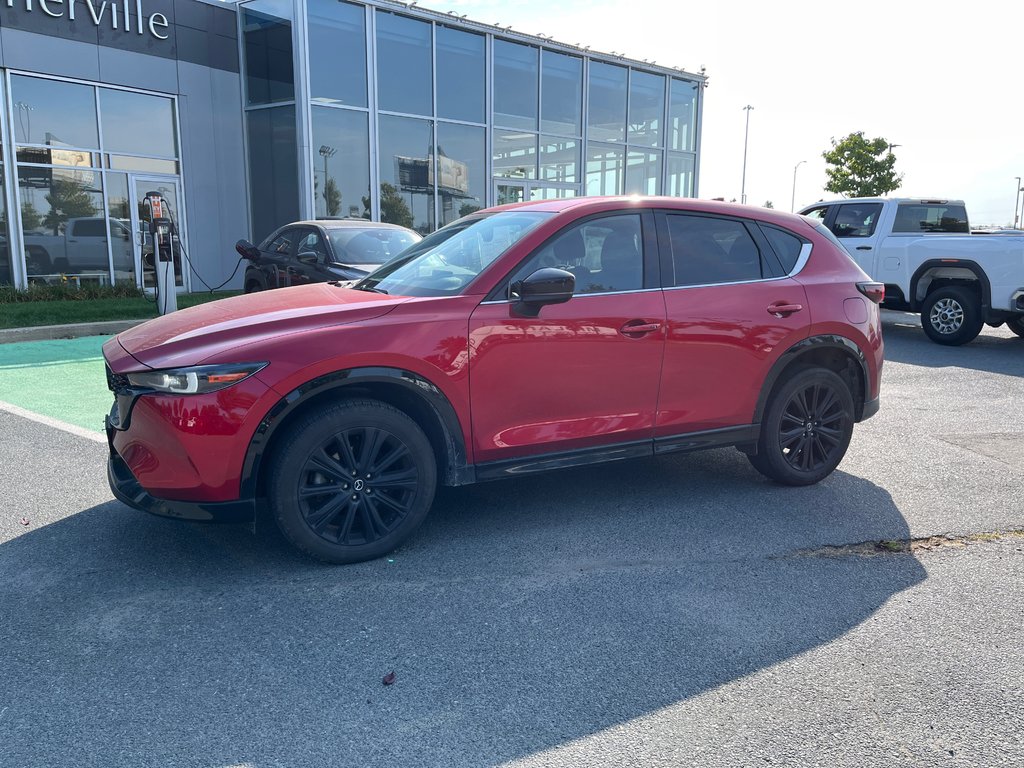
(786, 246)
(707, 251)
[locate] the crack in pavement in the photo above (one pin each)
(881, 547)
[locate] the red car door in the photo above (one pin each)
(583, 374)
(732, 311)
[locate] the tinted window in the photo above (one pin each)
(341, 163)
(404, 65)
(460, 75)
(606, 111)
(268, 53)
(461, 172)
(515, 85)
(337, 52)
(369, 246)
(311, 242)
(706, 251)
(53, 113)
(562, 94)
(89, 228)
(273, 166)
(856, 219)
(604, 254)
(646, 109)
(921, 217)
(406, 183)
(786, 246)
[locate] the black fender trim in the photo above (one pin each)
(973, 266)
(459, 472)
(812, 344)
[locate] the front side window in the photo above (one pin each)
(280, 245)
(604, 254)
(311, 242)
(709, 251)
(856, 219)
(931, 217)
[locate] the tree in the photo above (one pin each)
(68, 199)
(332, 197)
(768, 204)
(393, 208)
(860, 167)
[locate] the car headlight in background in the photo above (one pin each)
(194, 381)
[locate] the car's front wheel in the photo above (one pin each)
(806, 428)
(351, 481)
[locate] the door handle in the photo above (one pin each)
(863, 247)
(784, 310)
(637, 328)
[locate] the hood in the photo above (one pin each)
(189, 336)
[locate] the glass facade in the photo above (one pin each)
(415, 118)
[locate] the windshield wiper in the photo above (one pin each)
(373, 290)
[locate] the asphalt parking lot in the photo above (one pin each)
(673, 612)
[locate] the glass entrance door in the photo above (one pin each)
(515, 191)
(169, 190)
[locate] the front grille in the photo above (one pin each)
(116, 382)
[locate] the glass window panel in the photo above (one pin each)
(73, 158)
(53, 113)
(562, 94)
(54, 201)
(606, 111)
(406, 181)
(6, 263)
(559, 159)
(461, 171)
(551, 193)
(124, 114)
(706, 251)
(643, 173)
(515, 155)
(121, 247)
(337, 52)
(515, 85)
(786, 245)
(404, 65)
(606, 169)
(341, 163)
(646, 109)
(859, 219)
(273, 169)
(682, 115)
(460, 75)
(680, 175)
(267, 39)
(143, 164)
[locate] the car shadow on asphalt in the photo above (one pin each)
(523, 615)
(995, 350)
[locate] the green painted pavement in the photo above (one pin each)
(62, 379)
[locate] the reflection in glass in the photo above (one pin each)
(268, 54)
(6, 263)
(510, 193)
(120, 219)
(606, 110)
(460, 75)
(514, 155)
(643, 172)
(646, 109)
(403, 64)
(551, 193)
(62, 222)
(73, 158)
(461, 172)
(559, 159)
(53, 113)
(406, 181)
(137, 124)
(680, 175)
(515, 85)
(337, 52)
(682, 112)
(142, 164)
(273, 169)
(341, 163)
(562, 94)
(606, 167)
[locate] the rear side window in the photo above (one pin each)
(856, 219)
(931, 217)
(786, 246)
(707, 251)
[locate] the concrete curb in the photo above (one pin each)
(70, 331)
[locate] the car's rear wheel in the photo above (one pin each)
(351, 481)
(253, 286)
(952, 315)
(1016, 324)
(806, 428)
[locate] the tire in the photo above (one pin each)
(324, 489)
(952, 315)
(1016, 324)
(806, 429)
(253, 286)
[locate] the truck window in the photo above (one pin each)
(88, 228)
(931, 217)
(856, 219)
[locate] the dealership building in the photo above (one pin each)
(246, 117)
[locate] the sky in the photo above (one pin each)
(943, 80)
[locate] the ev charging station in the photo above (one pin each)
(163, 234)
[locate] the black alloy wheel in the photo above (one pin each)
(807, 428)
(351, 483)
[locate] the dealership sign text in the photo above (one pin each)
(111, 12)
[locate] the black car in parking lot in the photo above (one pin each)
(318, 251)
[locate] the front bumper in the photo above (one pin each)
(127, 490)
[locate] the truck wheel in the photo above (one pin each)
(1016, 324)
(952, 315)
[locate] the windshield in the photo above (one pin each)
(369, 246)
(444, 263)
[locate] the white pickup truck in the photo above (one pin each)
(924, 253)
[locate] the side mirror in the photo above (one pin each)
(307, 257)
(547, 285)
(247, 250)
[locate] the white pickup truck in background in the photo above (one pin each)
(924, 253)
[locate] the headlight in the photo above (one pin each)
(194, 381)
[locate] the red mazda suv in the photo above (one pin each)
(518, 339)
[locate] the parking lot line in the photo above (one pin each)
(55, 423)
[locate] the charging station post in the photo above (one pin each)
(162, 232)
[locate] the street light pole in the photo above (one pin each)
(746, 136)
(792, 200)
(1016, 202)
(326, 153)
